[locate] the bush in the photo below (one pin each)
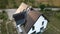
(3, 15)
(42, 6)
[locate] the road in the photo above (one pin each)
(10, 12)
(53, 9)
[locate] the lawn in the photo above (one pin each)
(14, 3)
(53, 3)
(53, 26)
(11, 28)
(6, 27)
(4, 17)
(35, 3)
(3, 28)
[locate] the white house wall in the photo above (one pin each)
(38, 25)
(19, 28)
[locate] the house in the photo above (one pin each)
(29, 21)
(19, 12)
(22, 7)
(36, 22)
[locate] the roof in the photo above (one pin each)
(19, 15)
(31, 19)
(22, 7)
(19, 18)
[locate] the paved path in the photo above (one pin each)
(53, 9)
(10, 12)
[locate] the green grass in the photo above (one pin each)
(54, 22)
(11, 28)
(3, 3)
(3, 15)
(15, 3)
(3, 28)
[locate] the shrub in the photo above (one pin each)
(3, 15)
(42, 6)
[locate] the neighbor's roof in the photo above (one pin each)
(21, 8)
(31, 19)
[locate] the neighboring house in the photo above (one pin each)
(29, 21)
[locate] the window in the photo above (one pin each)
(41, 28)
(43, 23)
(34, 32)
(33, 28)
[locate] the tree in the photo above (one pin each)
(42, 6)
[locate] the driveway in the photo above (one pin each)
(10, 13)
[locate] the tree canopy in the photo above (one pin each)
(42, 6)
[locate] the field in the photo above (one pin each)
(54, 3)
(11, 29)
(6, 26)
(13, 3)
(53, 26)
(34, 3)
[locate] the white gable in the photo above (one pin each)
(19, 28)
(38, 25)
